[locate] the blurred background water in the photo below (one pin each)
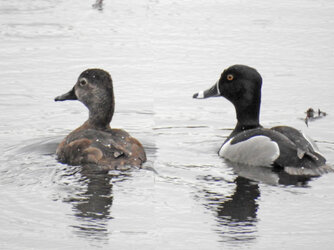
(159, 53)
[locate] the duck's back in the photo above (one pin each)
(113, 149)
(305, 157)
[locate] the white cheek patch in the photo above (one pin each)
(256, 151)
(200, 95)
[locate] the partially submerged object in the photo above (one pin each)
(311, 115)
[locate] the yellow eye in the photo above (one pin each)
(230, 77)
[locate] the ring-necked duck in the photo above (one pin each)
(281, 147)
(95, 142)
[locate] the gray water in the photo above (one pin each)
(159, 53)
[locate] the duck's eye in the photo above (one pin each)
(83, 82)
(229, 77)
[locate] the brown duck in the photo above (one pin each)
(94, 142)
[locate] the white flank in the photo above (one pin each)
(257, 151)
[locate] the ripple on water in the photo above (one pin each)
(41, 195)
(35, 30)
(15, 7)
(160, 54)
(27, 210)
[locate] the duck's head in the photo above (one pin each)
(237, 83)
(94, 88)
(241, 85)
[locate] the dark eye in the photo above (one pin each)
(229, 77)
(82, 82)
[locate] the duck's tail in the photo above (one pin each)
(316, 171)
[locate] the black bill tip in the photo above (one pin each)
(67, 96)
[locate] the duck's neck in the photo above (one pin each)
(248, 117)
(100, 115)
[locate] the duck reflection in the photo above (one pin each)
(237, 213)
(89, 189)
(242, 205)
(92, 207)
(269, 175)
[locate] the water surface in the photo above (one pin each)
(159, 53)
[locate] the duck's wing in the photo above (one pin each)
(88, 146)
(304, 144)
(118, 146)
(130, 143)
(302, 159)
(96, 147)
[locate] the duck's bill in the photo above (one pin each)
(211, 92)
(67, 96)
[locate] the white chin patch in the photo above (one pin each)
(256, 151)
(200, 95)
